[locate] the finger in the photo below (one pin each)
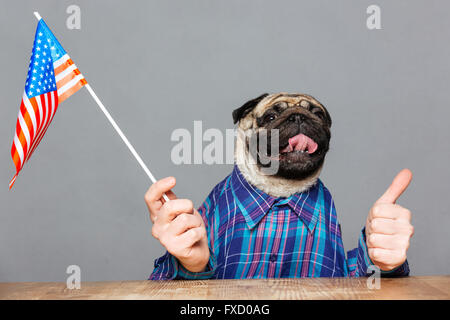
(389, 258)
(390, 227)
(384, 241)
(192, 236)
(170, 194)
(170, 210)
(382, 225)
(158, 204)
(184, 222)
(397, 187)
(389, 211)
(154, 195)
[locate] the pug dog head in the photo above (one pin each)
(303, 126)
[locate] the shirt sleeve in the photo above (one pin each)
(168, 267)
(358, 261)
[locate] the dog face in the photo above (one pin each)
(303, 125)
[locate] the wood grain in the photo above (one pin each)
(431, 287)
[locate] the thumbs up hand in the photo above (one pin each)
(388, 226)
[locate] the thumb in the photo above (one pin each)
(397, 187)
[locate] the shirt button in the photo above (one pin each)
(273, 257)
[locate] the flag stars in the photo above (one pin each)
(40, 78)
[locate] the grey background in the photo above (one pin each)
(160, 65)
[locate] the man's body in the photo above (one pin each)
(258, 226)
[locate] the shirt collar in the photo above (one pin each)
(254, 203)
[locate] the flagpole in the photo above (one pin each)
(116, 127)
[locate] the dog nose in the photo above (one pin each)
(297, 117)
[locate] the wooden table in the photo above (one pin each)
(431, 287)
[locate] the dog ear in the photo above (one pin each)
(241, 112)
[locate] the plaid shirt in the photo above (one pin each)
(254, 235)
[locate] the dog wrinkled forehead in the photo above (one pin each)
(284, 100)
(257, 107)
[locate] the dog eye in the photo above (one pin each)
(269, 117)
(319, 114)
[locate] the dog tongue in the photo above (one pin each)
(301, 142)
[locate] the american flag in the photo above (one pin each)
(52, 78)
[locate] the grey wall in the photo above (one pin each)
(160, 65)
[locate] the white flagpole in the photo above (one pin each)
(37, 15)
(116, 127)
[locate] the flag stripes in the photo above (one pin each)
(34, 117)
(44, 125)
(68, 77)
